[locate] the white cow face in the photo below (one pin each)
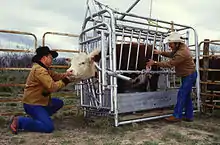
(82, 65)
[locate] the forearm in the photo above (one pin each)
(57, 76)
(166, 54)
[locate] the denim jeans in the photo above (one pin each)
(40, 120)
(184, 100)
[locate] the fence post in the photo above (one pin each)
(205, 72)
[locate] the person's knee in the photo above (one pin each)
(57, 102)
(60, 104)
(49, 128)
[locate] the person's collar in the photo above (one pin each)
(41, 64)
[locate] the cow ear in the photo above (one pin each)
(94, 53)
(68, 60)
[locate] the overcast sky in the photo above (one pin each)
(39, 16)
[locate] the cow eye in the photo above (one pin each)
(82, 63)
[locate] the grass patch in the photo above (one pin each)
(149, 143)
(173, 134)
(66, 142)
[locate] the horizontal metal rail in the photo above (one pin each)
(210, 83)
(57, 33)
(210, 95)
(209, 69)
(15, 50)
(22, 33)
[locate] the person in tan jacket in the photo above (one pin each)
(37, 101)
(181, 59)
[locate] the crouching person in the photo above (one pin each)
(37, 101)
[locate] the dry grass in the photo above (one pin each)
(74, 129)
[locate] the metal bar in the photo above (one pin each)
(210, 95)
(65, 50)
(23, 33)
(210, 56)
(154, 20)
(138, 47)
(121, 50)
(210, 83)
(147, 72)
(92, 39)
(11, 100)
(147, 119)
(208, 69)
(12, 85)
(129, 9)
(103, 55)
(57, 33)
(142, 37)
(15, 50)
(144, 31)
(18, 69)
(59, 66)
(212, 106)
(129, 53)
(144, 119)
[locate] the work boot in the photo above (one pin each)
(187, 119)
(14, 125)
(172, 119)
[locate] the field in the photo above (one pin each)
(72, 128)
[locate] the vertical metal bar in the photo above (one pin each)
(187, 38)
(197, 69)
(129, 53)
(103, 55)
(205, 67)
(121, 50)
(146, 45)
(154, 42)
(137, 56)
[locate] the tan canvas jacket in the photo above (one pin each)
(40, 83)
(181, 60)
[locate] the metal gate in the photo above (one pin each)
(105, 28)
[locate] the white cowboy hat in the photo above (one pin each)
(173, 37)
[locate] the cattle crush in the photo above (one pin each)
(123, 87)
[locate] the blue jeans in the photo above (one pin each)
(40, 121)
(184, 97)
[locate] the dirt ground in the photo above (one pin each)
(72, 129)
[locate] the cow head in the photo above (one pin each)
(82, 65)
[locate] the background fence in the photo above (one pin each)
(210, 74)
(16, 51)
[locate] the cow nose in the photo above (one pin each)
(70, 71)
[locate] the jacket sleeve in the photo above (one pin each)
(166, 54)
(176, 60)
(56, 76)
(47, 81)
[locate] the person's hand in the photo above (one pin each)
(69, 73)
(150, 63)
(157, 51)
(66, 80)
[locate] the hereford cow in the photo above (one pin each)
(83, 67)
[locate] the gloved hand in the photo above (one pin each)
(45, 93)
(66, 80)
